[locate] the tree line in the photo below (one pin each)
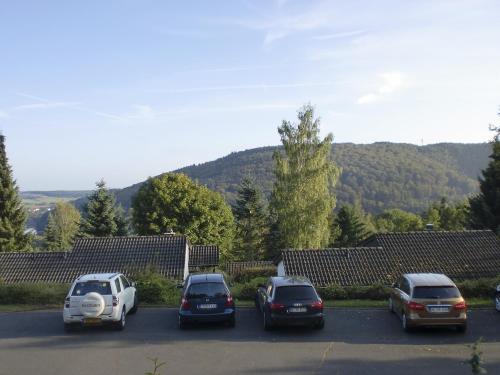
(301, 212)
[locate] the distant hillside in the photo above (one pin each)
(379, 175)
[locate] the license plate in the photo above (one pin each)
(439, 310)
(207, 306)
(92, 321)
(297, 309)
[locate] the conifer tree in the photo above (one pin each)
(62, 227)
(485, 207)
(350, 227)
(251, 223)
(302, 199)
(121, 220)
(12, 213)
(99, 213)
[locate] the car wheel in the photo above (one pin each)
(267, 322)
(133, 310)
(320, 325)
(120, 325)
(404, 323)
(182, 323)
(391, 305)
(462, 328)
(231, 322)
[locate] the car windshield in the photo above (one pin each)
(203, 290)
(294, 293)
(101, 287)
(435, 292)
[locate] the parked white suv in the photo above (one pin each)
(98, 299)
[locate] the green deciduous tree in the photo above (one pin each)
(447, 216)
(62, 227)
(12, 213)
(302, 199)
(100, 213)
(349, 226)
(485, 207)
(396, 220)
(173, 201)
(251, 223)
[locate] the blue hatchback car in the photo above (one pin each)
(206, 298)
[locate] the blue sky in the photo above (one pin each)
(123, 90)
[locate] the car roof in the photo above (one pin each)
(290, 280)
(97, 276)
(206, 277)
(429, 279)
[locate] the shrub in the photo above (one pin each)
(154, 288)
(33, 293)
(246, 291)
(248, 274)
(480, 288)
(376, 291)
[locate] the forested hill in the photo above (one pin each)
(379, 175)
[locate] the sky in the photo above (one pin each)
(123, 90)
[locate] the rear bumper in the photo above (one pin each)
(283, 319)
(188, 316)
(436, 321)
(80, 319)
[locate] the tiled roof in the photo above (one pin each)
(343, 266)
(103, 254)
(459, 255)
(203, 256)
(235, 267)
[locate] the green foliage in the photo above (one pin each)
(12, 213)
(476, 360)
(349, 227)
(485, 207)
(248, 274)
(100, 213)
(156, 289)
(446, 216)
(479, 288)
(33, 293)
(396, 220)
(122, 223)
(156, 367)
(302, 198)
(251, 220)
(62, 227)
(247, 290)
(173, 201)
(377, 291)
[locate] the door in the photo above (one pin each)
(128, 293)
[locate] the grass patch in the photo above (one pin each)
(20, 308)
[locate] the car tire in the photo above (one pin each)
(182, 323)
(267, 322)
(231, 322)
(391, 306)
(320, 325)
(133, 310)
(120, 325)
(404, 323)
(462, 328)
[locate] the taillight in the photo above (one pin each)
(318, 305)
(277, 306)
(229, 302)
(66, 303)
(185, 304)
(415, 306)
(460, 306)
(116, 301)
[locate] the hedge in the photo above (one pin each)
(247, 274)
(33, 293)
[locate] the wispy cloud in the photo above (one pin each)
(391, 82)
(4, 114)
(262, 86)
(339, 35)
(43, 103)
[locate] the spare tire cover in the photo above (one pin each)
(92, 305)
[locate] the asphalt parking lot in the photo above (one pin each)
(353, 342)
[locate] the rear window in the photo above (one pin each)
(291, 293)
(435, 292)
(203, 290)
(101, 287)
